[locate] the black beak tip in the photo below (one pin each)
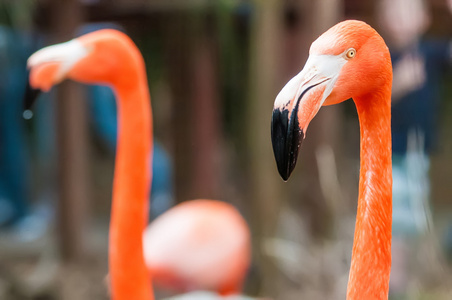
(285, 168)
(285, 174)
(31, 95)
(286, 141)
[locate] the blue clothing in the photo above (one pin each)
(14, 159)
(418, 109)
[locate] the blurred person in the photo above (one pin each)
(18, 215)
(20, 218)
(14, 173)
(418, 65)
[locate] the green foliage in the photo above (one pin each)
(16, 13)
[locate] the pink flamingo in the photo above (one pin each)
(350, 60)
(110, 57)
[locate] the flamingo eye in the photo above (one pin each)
(350, 53)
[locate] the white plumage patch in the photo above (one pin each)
(327, 66)
(67, 54)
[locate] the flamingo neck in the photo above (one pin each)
(371, 257)
(131, 188)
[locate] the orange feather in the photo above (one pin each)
(350, 60)
(110, 57)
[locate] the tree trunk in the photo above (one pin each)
(265, 189)
(177, 51)
(207, 120)
(72, 143)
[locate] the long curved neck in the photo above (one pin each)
(371, 258)
(131, 187)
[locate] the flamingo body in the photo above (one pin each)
(199, 245)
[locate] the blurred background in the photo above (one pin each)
(214, 70)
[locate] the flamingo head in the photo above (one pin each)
(349, 60)
(106, 56)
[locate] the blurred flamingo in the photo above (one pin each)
(201, 244)
(350, 60)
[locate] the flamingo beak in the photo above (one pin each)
(50, 66)
(31, 95)
(297, 104)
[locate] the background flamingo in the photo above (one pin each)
(350, 60)
(110, 57)
(199, 245)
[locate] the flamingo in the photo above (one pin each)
(198, 245)
(350, 60)
(187, 248)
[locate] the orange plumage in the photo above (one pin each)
(110, 57)
(350, 60)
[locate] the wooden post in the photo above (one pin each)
(265, 189)
(206, 118)
(177, 46)
(72, 143)
(191, 58)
